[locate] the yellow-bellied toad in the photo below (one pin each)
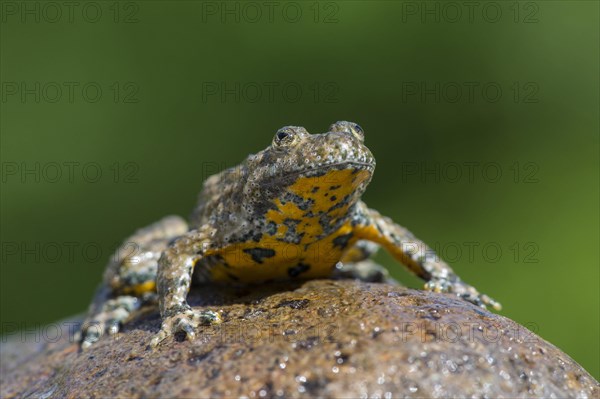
(290, 211)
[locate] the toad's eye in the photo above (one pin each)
(349, 128)
(358, 132)
(284, 136)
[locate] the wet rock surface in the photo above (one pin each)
(317, 338)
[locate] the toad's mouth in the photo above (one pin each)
(323, 173)
(322, 169)
(350, 173)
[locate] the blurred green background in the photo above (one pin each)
(483, 119)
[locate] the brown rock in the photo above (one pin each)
(318, 338)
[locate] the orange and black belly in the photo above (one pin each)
(307, 231)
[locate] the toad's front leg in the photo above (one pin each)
(416, 255)
(175, 269)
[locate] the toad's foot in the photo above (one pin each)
(185, 321)
(365, 270)
(463, 290)
(109, 320)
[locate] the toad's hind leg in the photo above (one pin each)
(355, 264)
(416, 255)
(365, 270)
(130, 279)
(111, 314)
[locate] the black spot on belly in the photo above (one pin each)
(333, 198)
(315, 189)
(334, 187)
(291, 223)
(342, 241)
(291, 234)
(258, 254)
(271, 228)
(341, 203)
(302, 203)
(300, 268)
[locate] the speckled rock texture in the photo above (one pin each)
(322, 338)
